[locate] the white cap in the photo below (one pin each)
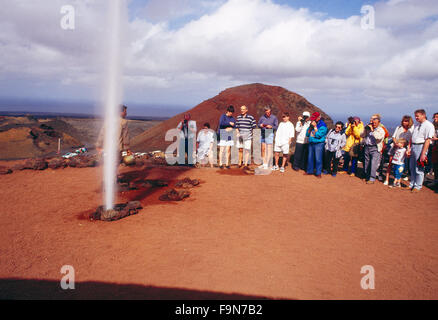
(306, 113)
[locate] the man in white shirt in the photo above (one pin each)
(421, 138)
(302, 145)
(283, 139)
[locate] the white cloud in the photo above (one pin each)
(228, 43)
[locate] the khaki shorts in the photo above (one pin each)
(282, 148)
(246, 144)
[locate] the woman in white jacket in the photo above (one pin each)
(302, 145)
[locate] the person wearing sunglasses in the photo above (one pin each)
(373, 135)
(334, 143)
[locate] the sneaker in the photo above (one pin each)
(324, 172)
(228, 167)
(282, 169)
(221, 167)
(352, 175)
(274, 168)
(343, 172)
(333, 175)
(319, 176)
(415, 190)
(385, 183)
(406, 179)
(370, 182)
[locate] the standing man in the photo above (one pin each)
(123, 134)
(283, 140)
(373, 135)
(317, 133)
(226, 125)
(422, 135)
(187, 129)
(302, 145)
(268, 123)
(245, 124)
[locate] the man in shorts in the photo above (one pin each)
(283, 139)
(245, 124)
(268, 123)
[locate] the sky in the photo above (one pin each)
(178, 53)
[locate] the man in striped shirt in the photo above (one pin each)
(245, 123)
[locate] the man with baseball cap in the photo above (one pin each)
(316, 134)
(302, 144)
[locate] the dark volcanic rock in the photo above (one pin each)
(35, 164)
(4, 170)
(174, 195)
(120, 211)
(56, 163)
(187, 183)
(82, 161)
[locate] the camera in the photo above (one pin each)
(304, 119)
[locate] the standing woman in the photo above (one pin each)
(187, 129)
(226, 126)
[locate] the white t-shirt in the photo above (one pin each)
(205, 138)
(302, 130)
(422, 132)
(400, 133)
(285, 132)
(399, 156)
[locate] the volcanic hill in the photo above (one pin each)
(254, 96)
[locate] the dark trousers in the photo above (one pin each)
(329, 160)
(347, 159)
(300, 156)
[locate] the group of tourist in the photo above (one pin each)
(412, 150)
(318, 150)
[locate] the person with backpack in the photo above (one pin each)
(334, 143)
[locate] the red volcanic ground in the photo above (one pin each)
(237, 236)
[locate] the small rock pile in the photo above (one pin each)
(177, 195)
(120, 211)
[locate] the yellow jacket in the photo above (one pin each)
(353, 135)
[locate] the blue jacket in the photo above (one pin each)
(320, 135)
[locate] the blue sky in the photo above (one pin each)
(182, 52)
